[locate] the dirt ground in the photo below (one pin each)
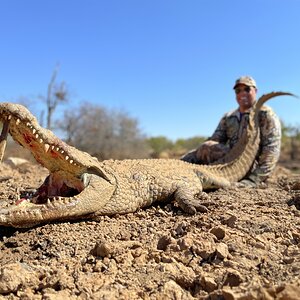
(245, 247)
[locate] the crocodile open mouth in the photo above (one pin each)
(66, 178)
(55, 191)
(58, 186)
(74, 176)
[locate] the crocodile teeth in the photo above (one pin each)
(33, 130)
(9, 117)
(49, 204)
(65, 200)
(54, 202)
(46, 147)
(41, 141)
(3, 138)
(18, 121)
(67, 157)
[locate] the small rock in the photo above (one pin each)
(125, 235)
(204, 245)
(259, 245)
(164, 241)
(208, 284)
(185, 243)
(141, 260)
(184, 276)
(204, 248)
(172, 290)
(100, 266)
(222, 250)
(230, 221)
(219, 232)
(181, 228)
(15, 276)
(167, 259)
(137, 252)
(102, 249)
(229, 294)
(233, 278)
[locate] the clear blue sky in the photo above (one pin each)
(170, 64)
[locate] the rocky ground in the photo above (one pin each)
(245, 247)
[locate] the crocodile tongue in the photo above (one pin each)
(3, 138)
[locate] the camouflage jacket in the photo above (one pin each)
(231, 128)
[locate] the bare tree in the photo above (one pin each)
(104, 133)
(56, 94)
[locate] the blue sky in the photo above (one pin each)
(170, 64)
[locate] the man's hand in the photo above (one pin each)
(211, 151)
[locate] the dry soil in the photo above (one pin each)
(245, 247)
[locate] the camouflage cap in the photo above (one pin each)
(246, 80)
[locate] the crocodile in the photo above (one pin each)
(81, 187)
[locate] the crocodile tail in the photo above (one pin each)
(262, 100)
(237, 163)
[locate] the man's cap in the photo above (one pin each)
(246, 80)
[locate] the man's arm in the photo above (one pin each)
(220, 134)
(204, 154)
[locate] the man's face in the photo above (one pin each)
(245, 96)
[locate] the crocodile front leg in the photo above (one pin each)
(189, 199)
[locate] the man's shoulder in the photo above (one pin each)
(232, 113)
(264, 111)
